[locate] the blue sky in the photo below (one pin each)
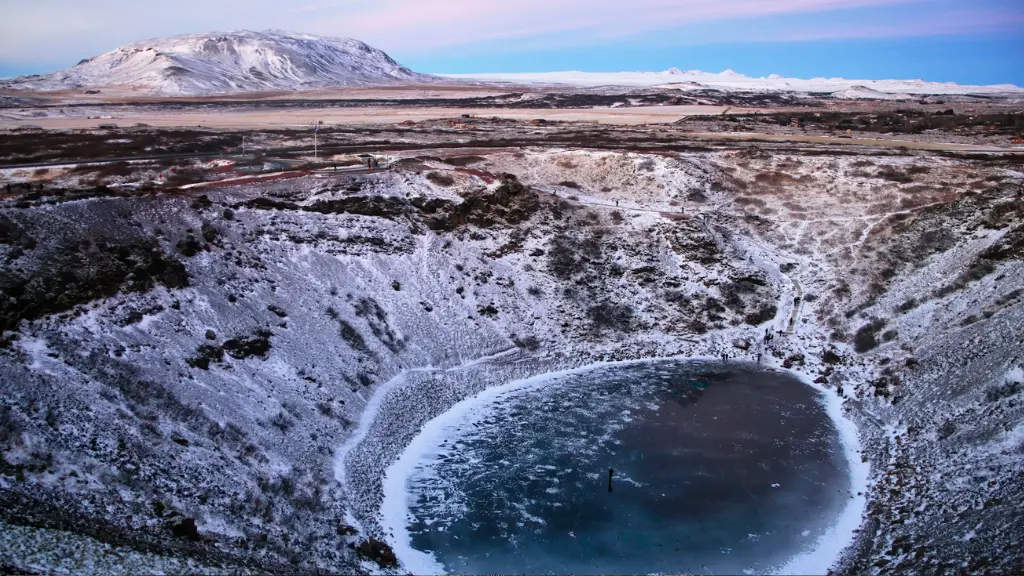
(967, 59)
(980, 42)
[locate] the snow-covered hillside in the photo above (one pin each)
(730, 80)
(217, 63)
(865, 93)
(218, 382)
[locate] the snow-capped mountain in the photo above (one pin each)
(865, 93)
(731, 80)
(218, 63)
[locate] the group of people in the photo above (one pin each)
(768, 337)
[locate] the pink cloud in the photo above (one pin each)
(416, 24)
(30, 31)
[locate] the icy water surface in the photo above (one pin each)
(718, 469)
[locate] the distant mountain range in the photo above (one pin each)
(224, 63)
(244, 61)
(730, 80)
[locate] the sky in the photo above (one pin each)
(971, 42)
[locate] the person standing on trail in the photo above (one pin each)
(616, 203)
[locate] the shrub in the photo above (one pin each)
(761, 316)
(204, 355)
(281, 421)
(10, 426)
(893, 175)
(256, 345)
(866, 337)
(608, 315)
(463, 161)
(1005, 390)
(379, 552)
(830, 357)
(563, 260)
(209, 232)
(352, 336)
(440, 179)
(189, 247)
(530, 343)
(76, 272)
(908, 305)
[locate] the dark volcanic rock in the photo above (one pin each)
(183, 528)
(379, 552)
(242, 348)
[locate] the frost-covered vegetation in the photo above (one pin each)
(188, 376)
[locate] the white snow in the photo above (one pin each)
(830, 545)
(864, 93)
(730, 80)
(241, 61)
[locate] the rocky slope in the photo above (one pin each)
(224, 63)
(217, 382)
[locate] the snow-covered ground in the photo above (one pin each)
(730, 80)
(325, 321)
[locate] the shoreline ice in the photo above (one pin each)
(394, 509)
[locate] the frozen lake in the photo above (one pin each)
(719, 468)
